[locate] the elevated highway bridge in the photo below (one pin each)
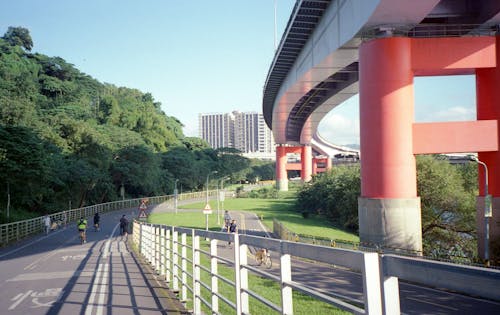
(332, 50)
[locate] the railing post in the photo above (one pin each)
(196, 274)
(168, 275)
(141, 238)
(184, 267)
(286, 290)
(149, 247)
(162, 251)
(175, 260)
(213, 272)
(243, 278)
(156, 246)
(157, 249)
(371, 284)
(237, 270)
(390, 291)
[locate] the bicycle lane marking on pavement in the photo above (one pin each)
(100, 282)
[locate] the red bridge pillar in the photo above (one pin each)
(306, 163)
(388, 209)
(281, 174)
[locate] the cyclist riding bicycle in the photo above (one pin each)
(82, 226)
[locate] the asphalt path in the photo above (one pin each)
(55, 274)
(343, 283)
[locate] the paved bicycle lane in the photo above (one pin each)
(55, 274)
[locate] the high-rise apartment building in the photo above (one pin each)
(217, 129)
(245, 131)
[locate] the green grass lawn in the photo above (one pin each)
(279, 209)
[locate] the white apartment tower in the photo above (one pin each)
(217, 129)
(245, 131)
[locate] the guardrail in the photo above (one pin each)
(166, 248)
(16, 231)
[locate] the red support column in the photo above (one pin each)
(488, 100)
(306, 163)
(389, 209)
(314, 166)
(328, 163)
(281, 174)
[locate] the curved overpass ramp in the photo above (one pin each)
(324, 147)
(316, 65)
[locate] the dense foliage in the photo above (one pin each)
(67, 139)
(447, 195)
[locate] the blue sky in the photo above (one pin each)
(195, 56)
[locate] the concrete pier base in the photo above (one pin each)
(282, 184)
(393, 224)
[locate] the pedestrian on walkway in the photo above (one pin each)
(46, 222)
(233, 229)
(64, 219)
(227, 220)
(123, 225)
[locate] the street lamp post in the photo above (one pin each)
(487, 212)
(206, 217)
(175, 195)
(220, 197)
(208, 175)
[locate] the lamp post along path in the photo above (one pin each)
(207, 209)
(487, 212)
(175, 196)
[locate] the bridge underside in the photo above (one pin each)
(376, 49)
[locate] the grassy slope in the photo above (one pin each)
(279, 209)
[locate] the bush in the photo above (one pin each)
(334, 194)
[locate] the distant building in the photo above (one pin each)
(217, 129)
(245, 131)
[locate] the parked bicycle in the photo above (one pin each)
(263, 257)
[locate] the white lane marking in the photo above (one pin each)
(431, 303)
(262, 227)
(44, 276)
(19, 298)
(100, 281)
(90, 304)
(102, 291)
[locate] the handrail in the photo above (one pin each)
(380, 272)
(15, 231)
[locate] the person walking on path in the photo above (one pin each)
(64, 219)
(227, 220)
(123, 225)
(46, 222)
(97, 218)
(233, 229)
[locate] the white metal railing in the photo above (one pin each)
(15, 231)
(160, 245)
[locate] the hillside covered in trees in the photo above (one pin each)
(68, 139)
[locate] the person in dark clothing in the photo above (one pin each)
(123, 225)
(97, 218)
(233, 228)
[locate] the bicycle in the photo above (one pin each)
(262, 256)
(82, 237)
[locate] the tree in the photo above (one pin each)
(334, 194)
(448, 208)
(19, 36)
